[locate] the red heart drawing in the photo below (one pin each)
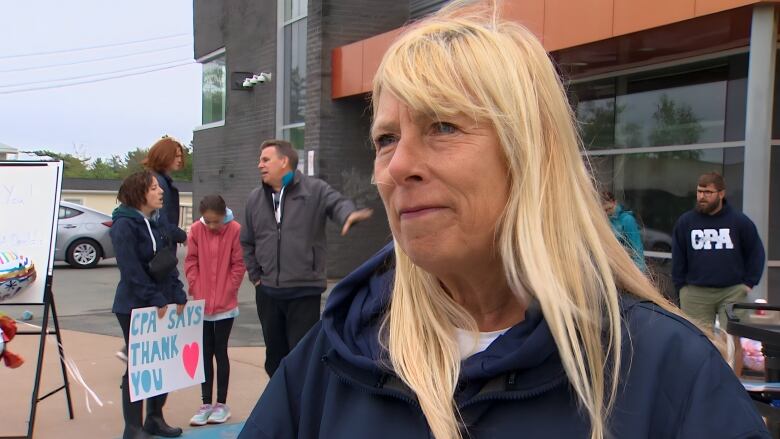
(190, 358)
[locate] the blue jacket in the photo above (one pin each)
(169, 214)
(718, 250)
(133, 248)
(627, 232)
(332, 385)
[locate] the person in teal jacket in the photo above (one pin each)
(626, 228)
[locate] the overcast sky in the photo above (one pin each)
(96, 119)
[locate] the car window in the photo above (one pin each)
(67, 212)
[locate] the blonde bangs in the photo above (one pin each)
(439, 70)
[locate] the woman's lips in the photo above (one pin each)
(417, 212)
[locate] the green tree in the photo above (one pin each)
(103, 169)
(675, 124)
(115, 167)
(75, 167)
(133, 161)
(185, 173)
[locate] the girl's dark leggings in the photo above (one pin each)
(215, 344)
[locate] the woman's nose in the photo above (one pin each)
(407, 162)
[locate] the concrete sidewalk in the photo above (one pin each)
(94, 356)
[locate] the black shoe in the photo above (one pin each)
(157, 426)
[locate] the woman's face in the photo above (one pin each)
(154, 195)
(444, 184)
(177, 161)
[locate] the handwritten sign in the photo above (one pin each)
(29, 201)
(165, 354)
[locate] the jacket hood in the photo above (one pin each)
(123, 211)
(228, 217)
(356, 307)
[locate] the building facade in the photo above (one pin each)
(664, 90)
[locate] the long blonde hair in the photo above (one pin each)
(554, 240)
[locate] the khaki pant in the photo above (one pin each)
(704, 303)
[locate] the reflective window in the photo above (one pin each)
(595, 112)
(67, 212)
(295, 136)
(773, 245)
(294, 8)
(295, 72)
(659, 187)
(214, 90)
(671, 116)
(688, 104)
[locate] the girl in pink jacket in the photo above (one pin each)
(215, 268)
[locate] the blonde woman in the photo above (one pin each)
(505, 307)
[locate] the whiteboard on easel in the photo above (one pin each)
(29, 207)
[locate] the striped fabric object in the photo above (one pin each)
(17, 272)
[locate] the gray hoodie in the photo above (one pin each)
(292, 253)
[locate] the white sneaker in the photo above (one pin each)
(220, 414)
(203, 415)
(122, 354)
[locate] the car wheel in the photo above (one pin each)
(84, 253)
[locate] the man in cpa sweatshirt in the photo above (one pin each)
(717, 255)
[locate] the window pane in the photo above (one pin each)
(687, 104)
(773, 245)
(214, 90)
(295, 136)
(294, 8)
(659, 187)
(671, 116)
(595, 111)
(295, 72)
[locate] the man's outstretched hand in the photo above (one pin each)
(356, 217)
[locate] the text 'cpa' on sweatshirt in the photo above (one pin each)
(718, 250)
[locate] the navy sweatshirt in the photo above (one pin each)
(718, 250)
(337, 383)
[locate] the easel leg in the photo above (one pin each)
(58, 335)
(39, 367)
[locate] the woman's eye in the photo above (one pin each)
(444, 128)
(384, 140)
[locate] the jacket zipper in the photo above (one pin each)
(368, 389)
(508, 395)
(278, 251)
(505, 395)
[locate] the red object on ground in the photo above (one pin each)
(8, 327)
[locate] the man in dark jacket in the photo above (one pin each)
(338, 382)
(284, 245)
(717, 255)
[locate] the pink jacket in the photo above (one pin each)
(215, 266)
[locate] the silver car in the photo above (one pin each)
(82, 236)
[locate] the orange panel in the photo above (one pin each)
(569, 23)
(374, 49)
(529, 13)
(704, 7)
(636, 15)
(347, 67)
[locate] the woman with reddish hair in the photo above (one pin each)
(165, 157)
